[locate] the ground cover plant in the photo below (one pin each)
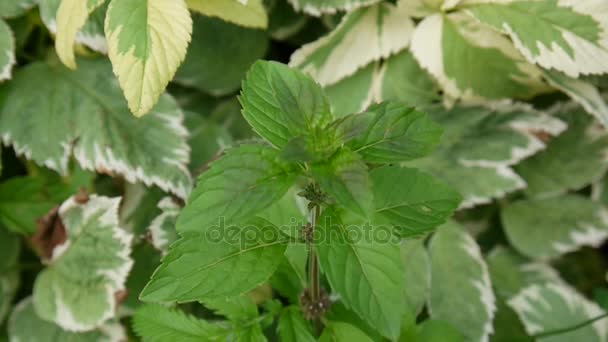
(303, 170)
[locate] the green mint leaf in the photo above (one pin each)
(417, 274)
(339, 331)
(412, 201)
(195, 267)
(282, 103)
(236, 309)
(393, 133)
(156, 323)
(243, 182)
(367, 274)
(293, 327)
(345, 177)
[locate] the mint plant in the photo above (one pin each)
(360, 205)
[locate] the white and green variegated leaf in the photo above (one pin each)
(15, 8)
(511, 272)
(26, 325)
(76, 291)
(423, 8)
(444, 44)
(65, 116)
(162, 228)
(365, 272)
(71, 17)
(585, 93)
(195, 267)
(318, 7)
(479, 147)
(461, 292)
(283, 20)
(417, 273)
(220, 55)
(10, 248)
(147, 41)
(354, 93)
(571, 161)
(80, 21)
(567, 35)
(248, 13)
(365, 35)
(549, 307)
(548, 228)
(7, 51)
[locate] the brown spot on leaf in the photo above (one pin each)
(121, 296)
(51, 233)
(541, 135)
(82, 197)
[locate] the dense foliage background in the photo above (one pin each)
(101, 152)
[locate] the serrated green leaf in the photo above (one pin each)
(338, 312)
(7, 51)
(290, 278)
(418, 203)
(237, 309)
(207, 140)
(368, 274)
(76, 290)
(561, 35)
(195, 267)
(443, 44)
(392, 132)
(147, 41)
(162, 228)
(549, 307)
(243, 182)
(293, 327)
(582, 92)
(461, 292)
(346, 179)
(67, 114)
(252, 333)
(145, 260)
(22, 202)
(248, 13)
(570, 161)
(220, 54)
(89, 28)
(417, 274)
(155, 323)
(480, 145)
(26, 325)
(282, 103)
(512, 272)
(386, 28)
(71, 17)
(433, 330)
(548, 228)
(342, 332)
(289, 213)
(15, 8)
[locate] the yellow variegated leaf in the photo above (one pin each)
(71, 17)
(147, 41)
(248, 13)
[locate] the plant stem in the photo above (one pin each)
(315, 286)
(570, 328)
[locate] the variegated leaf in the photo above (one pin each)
(147, 41)
(480, 146)
(15, 8)
(423, 8)
(461, 292)
(10, 248)
(71, 17)
(84, 26)
(66, 115)
(7, 51)
(77, 290)
(548, 228)
(26, 325)
(471, 60)
(162, 228)
(363, 36)
(318, 7)
(248, 13)
(567, 35)
(549, 307)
